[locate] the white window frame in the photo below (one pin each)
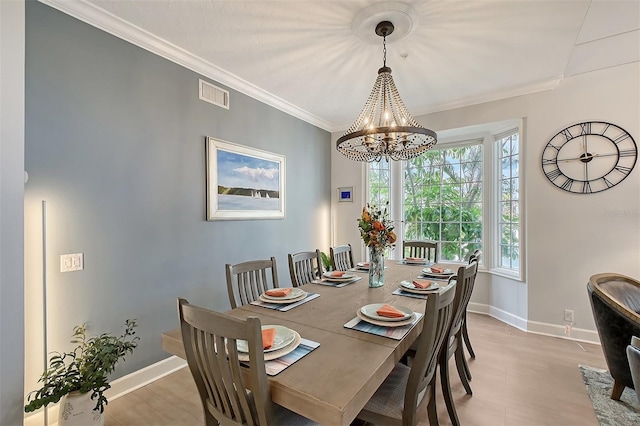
(491, 195)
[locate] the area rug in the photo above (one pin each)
(599, 383)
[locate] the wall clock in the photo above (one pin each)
(589, 157)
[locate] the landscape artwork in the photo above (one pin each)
(243, 182)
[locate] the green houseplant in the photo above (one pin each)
(85, 369)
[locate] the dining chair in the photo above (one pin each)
(212, 356)
(407, 388)
(426, 249)
(248, 280)
(474, 257)
(454, 343)
(305, 267)
(342, 257)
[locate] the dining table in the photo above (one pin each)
(333, 382)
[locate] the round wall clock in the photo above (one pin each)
(589, 157)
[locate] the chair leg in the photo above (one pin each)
(432, 411)
(465, 335)
(617, 390)
(462, 369)
(446, 389)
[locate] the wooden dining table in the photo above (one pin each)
(332, 384)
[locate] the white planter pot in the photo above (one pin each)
(77, 409)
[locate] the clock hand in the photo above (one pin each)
(589, 155)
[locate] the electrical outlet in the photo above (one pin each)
(71, 262)
(568, 315)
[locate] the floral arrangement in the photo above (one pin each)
(376, 229)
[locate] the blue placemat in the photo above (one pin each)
(284, 307)
(396, 333)
(277, 365)
(336, 284)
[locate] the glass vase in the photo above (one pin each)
(376, 267)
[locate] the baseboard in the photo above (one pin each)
(564, 332)
(553, 330)
(119, 387)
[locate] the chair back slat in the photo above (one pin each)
(426, 249)
(210, 340)
(342, 257)
(465, 282)
(305, 267)
(248, 280)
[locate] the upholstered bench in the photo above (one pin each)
(615, 301)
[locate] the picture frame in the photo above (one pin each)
(345, 194)
(243, 182)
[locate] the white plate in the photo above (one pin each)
(446, 273)
(370, 311)
(293, 294)
(284, 336)
(346, 277)
(268, 356)
(409, 285)
(363, 265)
(282, 300)
(421, 261)
(386, 323)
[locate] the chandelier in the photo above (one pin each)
(385, 128)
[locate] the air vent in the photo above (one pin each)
(214, 94)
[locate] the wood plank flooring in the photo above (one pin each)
(519, 379)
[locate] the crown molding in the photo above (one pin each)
(105, 21)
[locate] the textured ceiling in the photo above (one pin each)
(458, 52)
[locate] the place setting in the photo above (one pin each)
(284, 299)
(337, 278)
(362, 267)
(437, 273)
(418, 288)
(415, 261)
(282, 347)
(384, 319)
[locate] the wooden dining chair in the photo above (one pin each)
(212, 356)
(454, 342)
(475, 257)
(342, 257)
(305, 267)
(426, 249)
(406, 389)
(248, 280)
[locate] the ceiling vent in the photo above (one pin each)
(214, 94)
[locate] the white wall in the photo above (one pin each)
(569, 236)
(11, 210)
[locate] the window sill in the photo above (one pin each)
(505, 273)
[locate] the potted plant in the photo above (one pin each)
(80, 376)
(326, 261)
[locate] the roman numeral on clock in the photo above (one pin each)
(553, 174)
(567, 184)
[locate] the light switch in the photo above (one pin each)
(71, 262)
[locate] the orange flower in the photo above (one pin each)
(365, 215)
(377, 225)
(392, 237)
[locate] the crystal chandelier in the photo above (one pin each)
(385, 128)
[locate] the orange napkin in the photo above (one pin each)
(437, 270)
(422, 283)
(415, 258)
(387, 310)
(278, 292)
(365, 264)
(337, 273)
(268, 334)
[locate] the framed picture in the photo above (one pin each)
(345, 194)
(243, 182)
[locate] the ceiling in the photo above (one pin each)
(318, 60)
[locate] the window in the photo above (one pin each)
(509, 202)
(465, 194)
(379, 182)
(443, 199)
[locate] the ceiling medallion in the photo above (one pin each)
(384, 128)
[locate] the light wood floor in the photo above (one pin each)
(519, 379)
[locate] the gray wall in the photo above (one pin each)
(11, 211)
(115, 145)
